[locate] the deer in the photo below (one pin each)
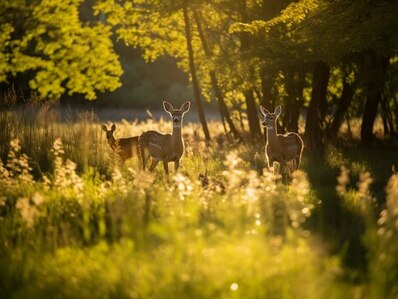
(125, 148)
(165, 147)
(280, 148)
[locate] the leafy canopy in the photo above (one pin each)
(46, 38)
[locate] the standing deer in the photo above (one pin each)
(124, 147)
(165, 147)
(280, 148)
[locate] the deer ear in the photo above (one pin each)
(167, 107)
(104, 128)
(113, 128)
(263, 110)
(278, 110)
(185, 107)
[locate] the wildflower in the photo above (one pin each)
(37, 199)
(65, 176)
(4, 174)
(343, 180)
(183, 185)
(365, 180)
(17, 164)
(27, 211)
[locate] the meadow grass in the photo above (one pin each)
(76, 223)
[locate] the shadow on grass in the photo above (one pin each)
(341, 229)
(381, 162)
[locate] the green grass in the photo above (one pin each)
(74, 223)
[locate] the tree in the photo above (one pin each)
(158, 28)
(313, 129)
(330, 32)
(192, 68)
(375, 80)
(47, 41)
(214, 82)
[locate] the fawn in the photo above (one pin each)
(165, 147)
(125, 147)
(280, 148)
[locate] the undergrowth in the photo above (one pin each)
(76, 223)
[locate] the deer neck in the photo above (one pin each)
(176, 137)
(112, 142)
(272, 136)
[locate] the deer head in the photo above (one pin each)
(269, 120)
(177, 115)
(109, 133)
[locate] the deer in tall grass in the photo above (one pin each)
(280, 148)
(125, 148)
(165, 147)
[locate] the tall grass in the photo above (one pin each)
(75, 223)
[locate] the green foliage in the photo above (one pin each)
(64, 54)
(5, 36)
(329, 30)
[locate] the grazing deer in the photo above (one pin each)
(165, 147)
(280, 148)
(125, 147)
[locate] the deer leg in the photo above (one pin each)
(267, 165)
(176, 164)
(144, 156)
(143, 160)
(154, 163)
(271, 164)
(282, 167)
(297, 161)
(166, 167)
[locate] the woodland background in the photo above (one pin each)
(328, 60)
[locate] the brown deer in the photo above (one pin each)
(165, 147)
(280, 148)
(126, 148)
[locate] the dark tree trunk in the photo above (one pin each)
(313, 131)
(290, 98)
(396, 111)
(294, 82)
(376, 73)
(252, 114)
(269, 10)
(214, 82)
(266, 89)
(192, 68)
(342, 108)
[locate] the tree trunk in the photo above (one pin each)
(313, 132)
(290, 98)
(266, 89)
(252, 114)
(396, 111)
(342, 108)
(387, 117)
(192, 68)
(376, 73)
(214, 82)
(294, 82)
